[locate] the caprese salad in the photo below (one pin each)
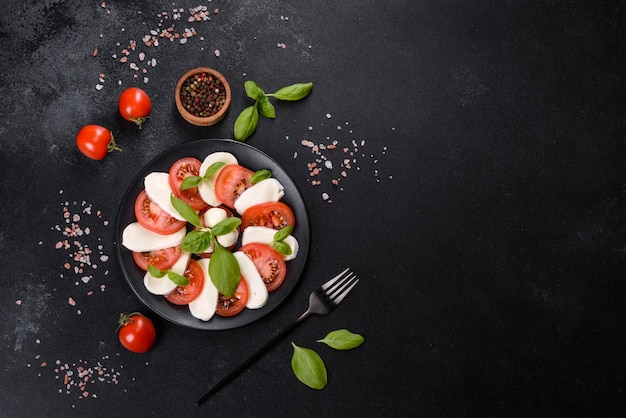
(212, 235)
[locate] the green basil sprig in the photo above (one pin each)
(224, 270)
(223, 266)
(248, 119)
(342, 339)
(309, 367)
(294, 92)
(185, 211)
(190, 182)
(279, 244)
(260, 175)
(176, 278)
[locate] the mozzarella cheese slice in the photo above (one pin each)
(265, 235)
(158, 189)
(257, 292)
(268, 190)
(211, 218)
(206, 189)
(163, 285)
(137, 238)
(204, 305)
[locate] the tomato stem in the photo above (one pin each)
(126, 319)
(112, 145)
(140, 121)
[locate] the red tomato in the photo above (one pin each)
(269, 262)
(135, 105)
(182, 168)
(136, 332)
(152, 217)
(275, 215)
(231, 306)
(231, 182)
(95, 141)
(161, 259)
(182, 295)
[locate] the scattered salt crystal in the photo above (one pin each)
(217, 52)
(71, 301)
(328, 115)
(99, 87)
(325, 196)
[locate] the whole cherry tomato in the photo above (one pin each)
(135, 105)
(95, 141)
(136, 332)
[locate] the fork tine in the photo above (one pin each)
(352, 282)
(343, 288)
(339, 286)
(334, 279)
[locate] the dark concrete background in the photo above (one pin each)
(486, 219)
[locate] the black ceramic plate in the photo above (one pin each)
(254, 160)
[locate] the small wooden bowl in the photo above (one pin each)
(202, 120)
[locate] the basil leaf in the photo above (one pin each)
(190, 182)
(342, 339)
(224, 270)
(196, 241)
(294, 92)
(246, 123)
(253, 90)
(266, 108)
(185, 211)
(282, 247)
(177, 279)
(225, 226)
(283, 233)
(309, 367)
(260, 176)
(213, 168)
(155, 272)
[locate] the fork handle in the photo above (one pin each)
(250, 360)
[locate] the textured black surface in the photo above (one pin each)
(484, 211)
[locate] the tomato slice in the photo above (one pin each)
(182, 295)
(231, 182)
(231, 306)
(161, 259)
(269, 262)
(152, 217)
(187, 166)
(275, 215)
